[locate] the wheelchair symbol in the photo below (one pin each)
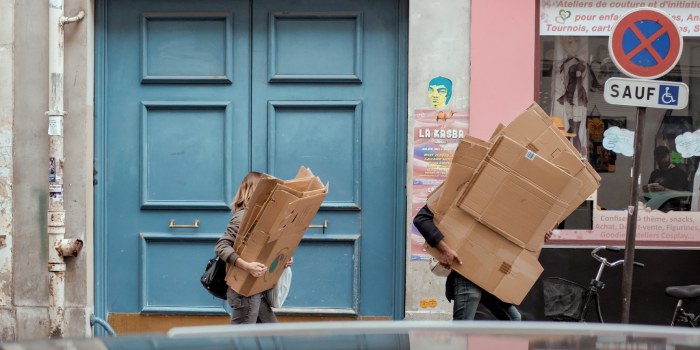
(668, 98)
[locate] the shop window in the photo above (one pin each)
(575, 64)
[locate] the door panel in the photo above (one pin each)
(167, 287)
(198, 93)
(186, 47)
(333, 153)
(177, 135)
(324, 95)
(185, 155)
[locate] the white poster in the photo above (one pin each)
(596, 18)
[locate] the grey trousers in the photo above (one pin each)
(252, 309)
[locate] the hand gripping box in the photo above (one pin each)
(271, 230)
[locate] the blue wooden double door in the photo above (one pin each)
(193, 94)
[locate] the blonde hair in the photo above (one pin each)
(245, 190)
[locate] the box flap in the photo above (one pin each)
(469, 153)
(534, 129)
(257, 200)
(538, 170)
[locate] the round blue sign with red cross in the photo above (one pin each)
(645, 43)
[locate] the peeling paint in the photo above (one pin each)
(6, 139)
(6, 271)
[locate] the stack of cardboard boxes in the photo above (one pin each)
(273, 225)
(501, 197)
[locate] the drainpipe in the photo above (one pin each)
(59, 247)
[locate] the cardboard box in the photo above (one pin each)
(272, 230)
(468, 155)
(518, 194)
(501, 197)
(256, 202)
(488, 259)
(534, 129)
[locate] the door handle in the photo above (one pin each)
(324, 226)
(172, 224)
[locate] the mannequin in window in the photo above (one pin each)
(570, 86)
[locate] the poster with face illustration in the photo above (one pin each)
(440, 92)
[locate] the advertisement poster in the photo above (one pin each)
(436, 135)
(596, 18)
(654, 228)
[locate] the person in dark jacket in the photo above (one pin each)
(667, 177)
(465, 294)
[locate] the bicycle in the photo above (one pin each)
(684, 294)
(566, 300)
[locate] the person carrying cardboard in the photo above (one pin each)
(465, 294)
(255, 308)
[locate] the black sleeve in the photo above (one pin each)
(425, 225)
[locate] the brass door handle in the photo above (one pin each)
(172, 224)
(324, 226)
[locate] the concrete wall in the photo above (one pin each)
(28, 142)
(438, 45)
(7, 312)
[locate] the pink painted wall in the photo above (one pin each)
(503, 40)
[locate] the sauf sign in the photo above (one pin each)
(645, 44)
(646, 93)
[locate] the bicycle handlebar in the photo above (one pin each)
(608, 263)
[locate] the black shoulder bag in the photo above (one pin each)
(214, 278)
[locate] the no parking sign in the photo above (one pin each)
(645, 43)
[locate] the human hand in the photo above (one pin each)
(255, 268)
(656, 187)
(547, 236)
(447, 255)
(289, 262)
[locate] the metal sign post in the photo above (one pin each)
(632, 209)
(645, 43)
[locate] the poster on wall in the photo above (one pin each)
(436, 134)
(596, 18)
(654, 229)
